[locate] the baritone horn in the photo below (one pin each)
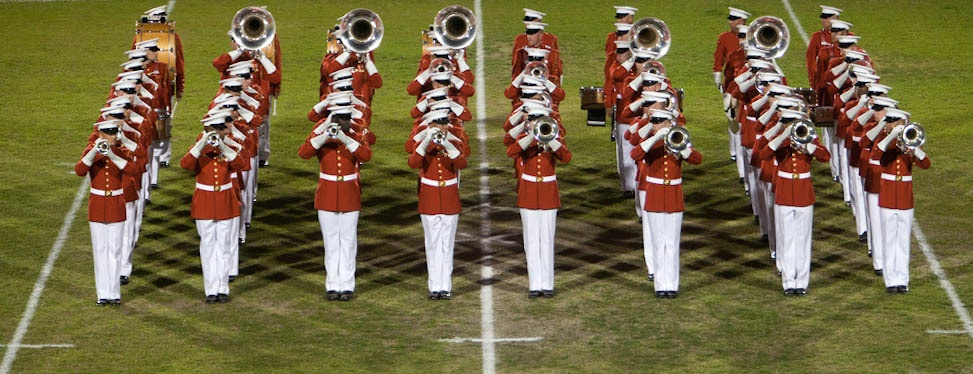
(253, 28)
(652, 35)
(677, 139)
(455, 27)
(769, 34)
(912, 136)
(544, 129)
(803, 132)
(361, 30)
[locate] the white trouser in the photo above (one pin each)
(252, 183)
(155, 156)
(768, 215)
(845, 168)
(734, 141)
(757, 199)
(139, 214)
(106, 248)
(128, 238)
(146, 192)
(666, 230)
(794, 248)
(340, 233)
(647, 240)
(215, 238)
(233, 260)
(246, 204)
(263, 140)
(539, 228)
(166, 145)
(624, 160)
(829, 139)
(858, 200)
(876, 241)
(440, 235)
(749, 179)
(741, 171)
(896, 228)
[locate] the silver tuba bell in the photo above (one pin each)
(652, 35)
(803, 132)
(912, 136)
(253, 28)
(361, 30)
(455, 27)
(677, 139)
(537, 69)
(769, 34)
(544, 129)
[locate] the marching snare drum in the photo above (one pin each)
(822, 116)
(592, 97)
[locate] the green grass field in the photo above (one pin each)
(58, 58)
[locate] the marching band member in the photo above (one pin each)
(536, 37)
(215, 202)
(896, 199)
(340, 150)
(728, 42)
(734, 61)
(663, 202)
(538, 199)
(794, 202)
(159, 73)
(839, 28)
(859, 165)
(106, 164)
(820, 39)
(164, 146)
(439, 158)
(624, 16)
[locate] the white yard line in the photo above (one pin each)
(487, 334)
(35, 297)
(38, 346)
(500, 340)
(944, 282)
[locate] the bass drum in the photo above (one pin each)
(592, 98)
(166, 35)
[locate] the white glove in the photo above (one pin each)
(919, 153)
(89, 158)
(267, 64)
(424, 144)
(648, 143)
(350, 143)
(864, 118)
(451, 150)
(423, 77)
(847, 95)
(779, 140)
(343, 57)
(747, 84)
(319, 107)
(875, 131)
(685, 153)
(636, 83)
(842, 67)
(764, 118)
(457, 82)
(230, 153)
(760, 102)
(235, 54)
(884, 144)
(519, 79)
(318, 141)
(772, 131)
(853, 112)
(745, 76)
(840, 80)
(525, 141)
(810, 148)
(550, 86)
(716, 78)
(461, 62)
(197, 148)
(644, 131)
(370, 65)
(516, 130)
(118, 160)
(629, 63)
(635, 105)
(554, 145)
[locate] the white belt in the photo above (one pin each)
(751, 118)
(873, 161)
(664, 182)
(95, 191)
(435, 183)
(217, 188)
(338, 178)
(856, 138)
(233, 176)
(897, 178)
(784, 174)
(549, 178)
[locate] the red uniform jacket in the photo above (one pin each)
(438, 179)
(897, 176)
(796, 188)
(537, 188)
(661, 178)
(107, 207)
(214, 171)
(341, 191)
(553, 61)
(725, 44)
(819, 39)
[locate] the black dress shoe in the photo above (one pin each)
(231, 278)
(869, 253)
(789, 292)
(115, 302)
(534, 294)
(211, 299)
(765, 238)
(346, 295)
(331, 295)
(434, 295)
(892, 289)
(223, 298)
(660, 294)
(878, 272)
(733, 158)
(164, 164)
(903, 289)
(773, 255)
(247, 224)
(651, 277)
(628, 194)
(800, 292)
(445, 295)
(756, 220)
(148, 201)
(548, 293)
(101, 302)
(123, 280)
(863, 238)
(672, 294)
(264, 163)
(741, 179)
(835, 179)
(243, 241)
(154, 186)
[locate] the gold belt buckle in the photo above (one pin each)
(665, 182)
(540, 179)
(108, 193)
(797, 176)
(442, 183)
(217, 188)
(341, 178)
(898, 178)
